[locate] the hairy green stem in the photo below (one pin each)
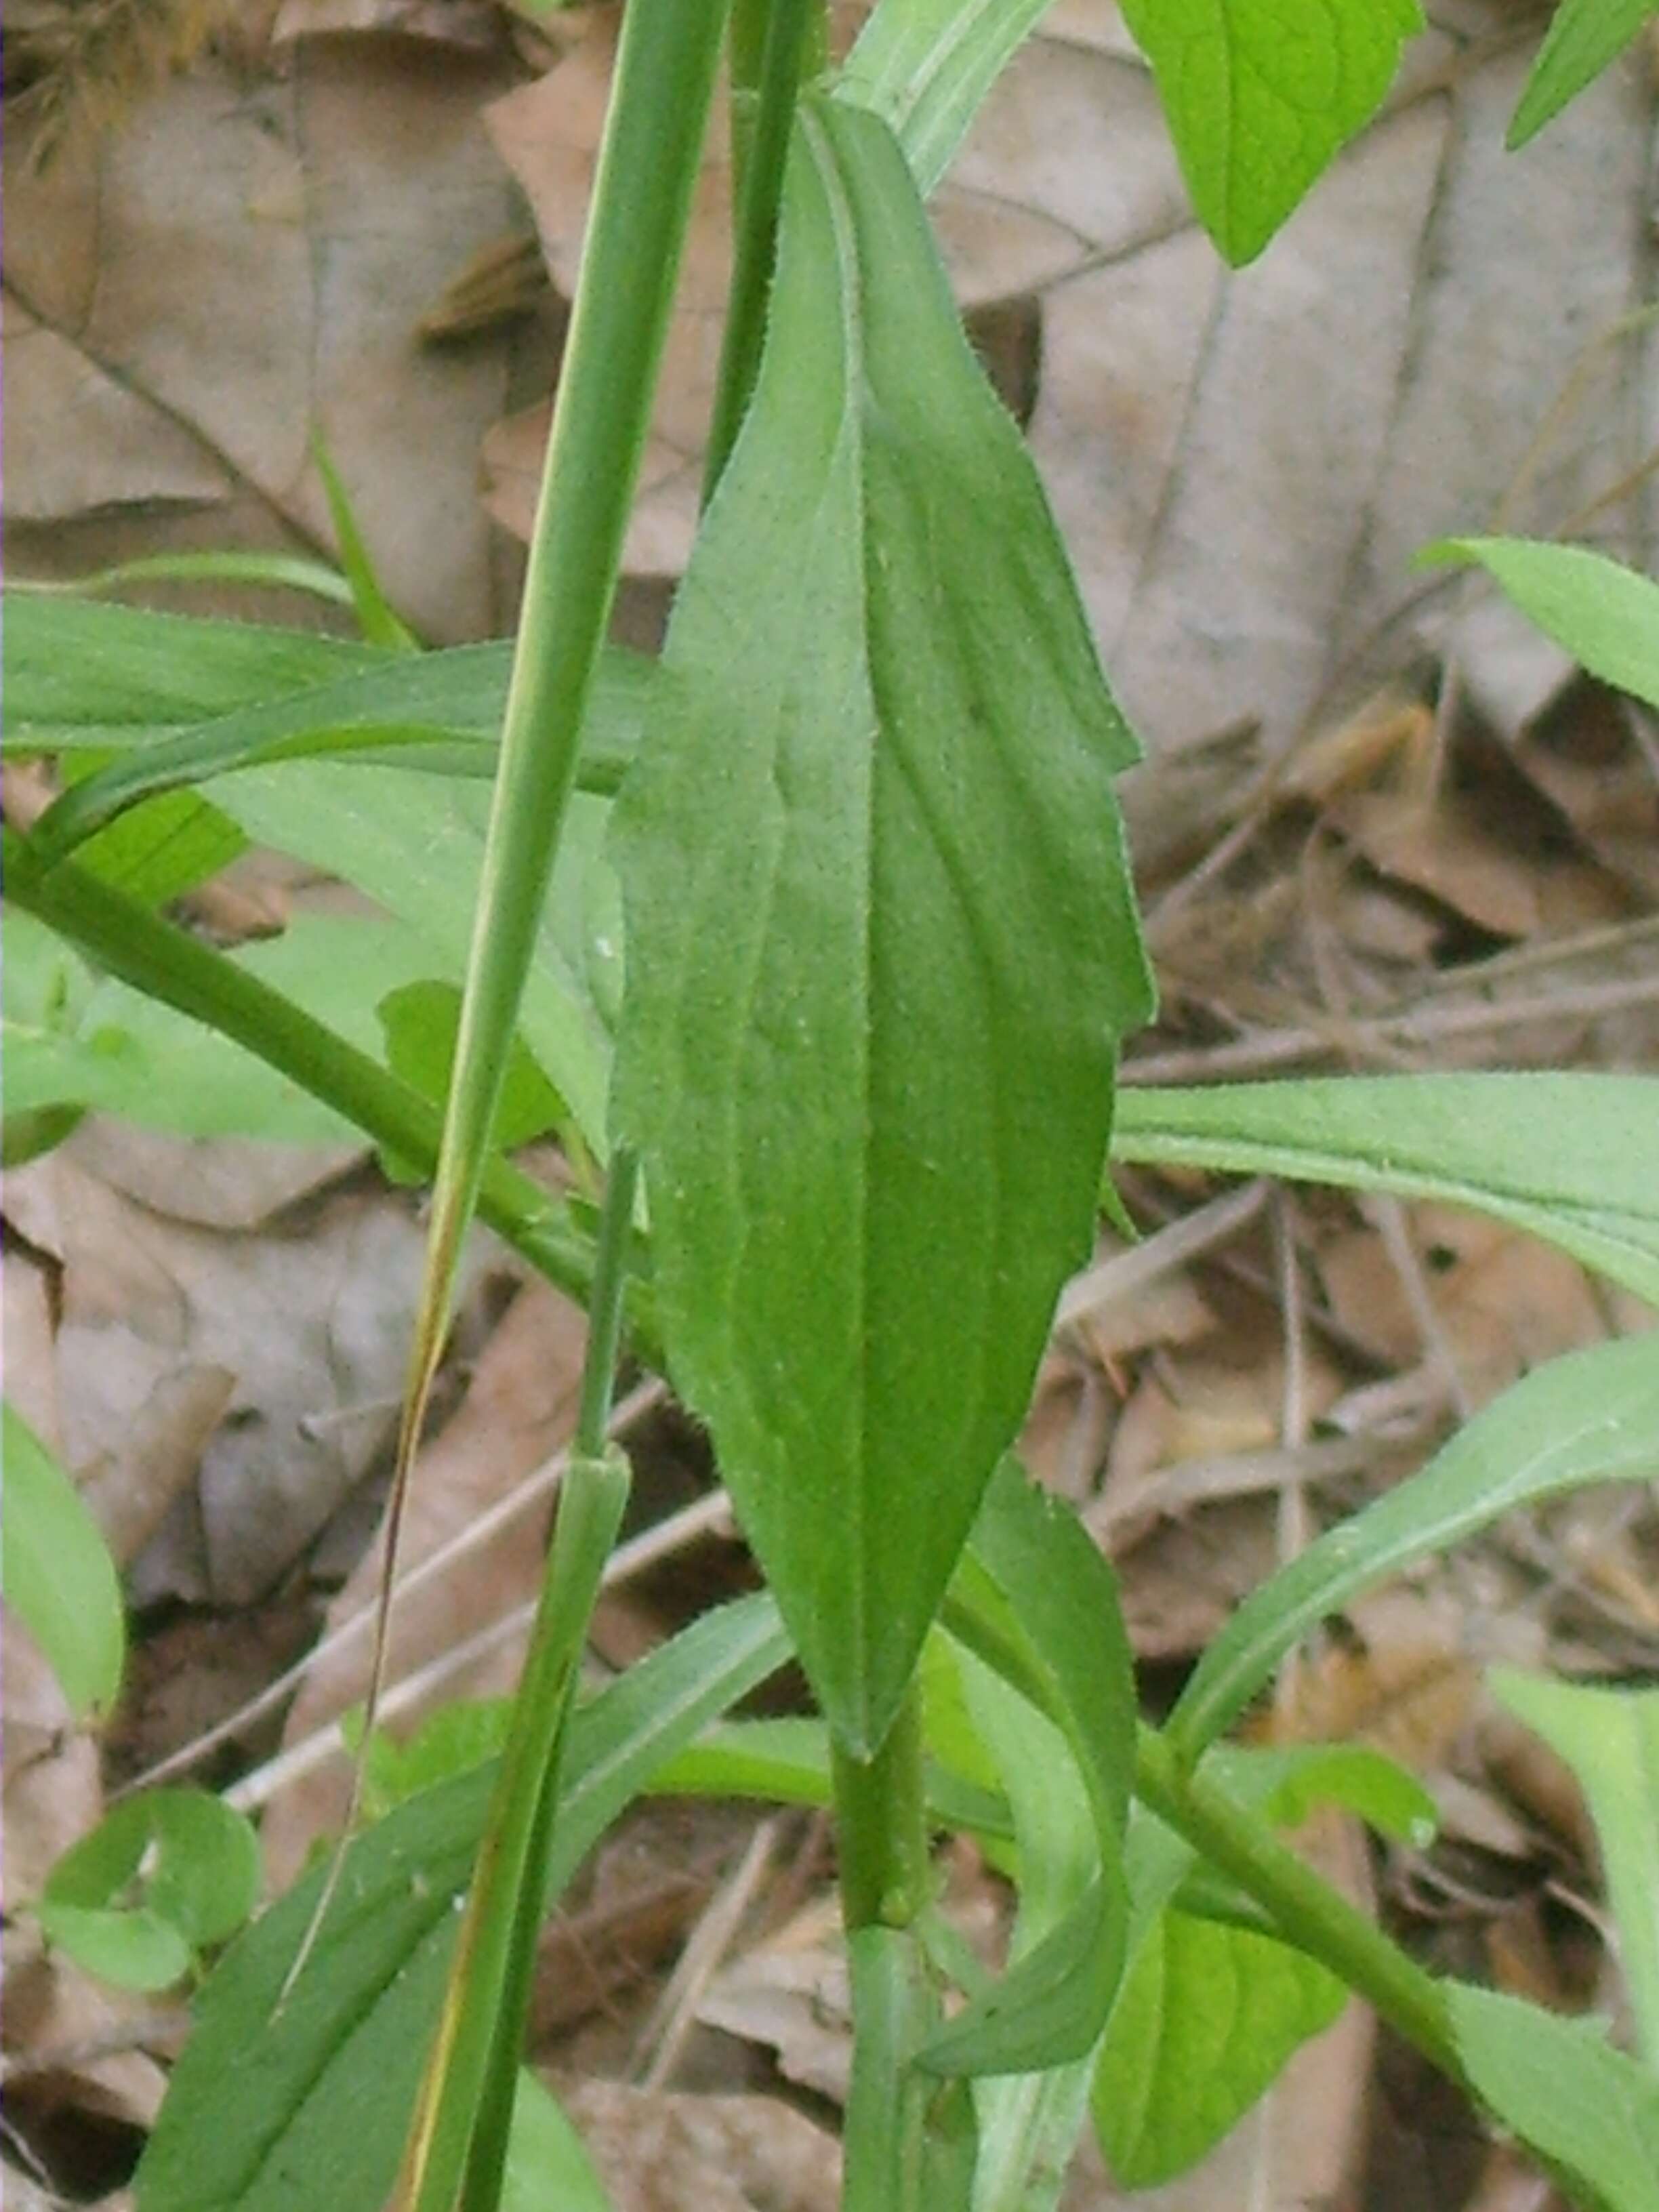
(123, 938)
(770, 56)
(881, 1836)
(881, 1826)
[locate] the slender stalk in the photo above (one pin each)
(457, 2135)
(881, 1835)
(129, 941)
(648, 170)
(1304, 1908)
(770, 56)
(606, 1307)
(881, 1826)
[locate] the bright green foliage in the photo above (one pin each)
(1591, 1416)
(1206, 2019)
(1579, 2101)
(1610, 1739)
(75, 1042)
(879, 935)
(548, 2169)
(162, 1878)
(376, 616)
(77, 671)
(1605, 616)
(1028, 2124)
(924, 66)
(1034, 1600)
(414, 844)
(1287, 1783)
(1260, 95)
(60, 1580)
(420, 1022)
(441, 713)
(1573, 1158)
(1584, 37)
(172, 847)
(259, 2108)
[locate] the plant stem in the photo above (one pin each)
(647, 171)
(604, 1312)
(770, 51)
(881, 1835)
(881, 1826)
(165, 962)
(1305, 1908)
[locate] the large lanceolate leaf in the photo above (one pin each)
(880, 937)
(1261, 93)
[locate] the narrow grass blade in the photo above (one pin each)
(1591, 1415)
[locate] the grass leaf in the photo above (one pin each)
(1591, 1415)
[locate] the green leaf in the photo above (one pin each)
(421, 1020)
(1261, 94)
(1287, 1783)
(414, 844)
(259, 2106)
(161, 1877)
(77, 671)
(282, 572)
(547, 2168)
(441, 713)
(1036, 1601)
(1496, 1142)
(170, 848)
(58, 1578)
(1584, 37)
(1610, 1739)
(1565, 2091)
(880, 934)
(377, 618)
(1591, 1416)
(1605, 616)
(924, 66)
(1029, 2123)
(1205, 2021)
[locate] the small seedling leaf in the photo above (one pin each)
(1591, 1416)
(1605, 616)
(1206, 2017)
(1584, 37)
(162, 1878)
(1610, 1739)
(547, 2170)
(58, 1578)
(1566, 2092)
(879, 934)
(1261, 94)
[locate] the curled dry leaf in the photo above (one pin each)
(312, 1322)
